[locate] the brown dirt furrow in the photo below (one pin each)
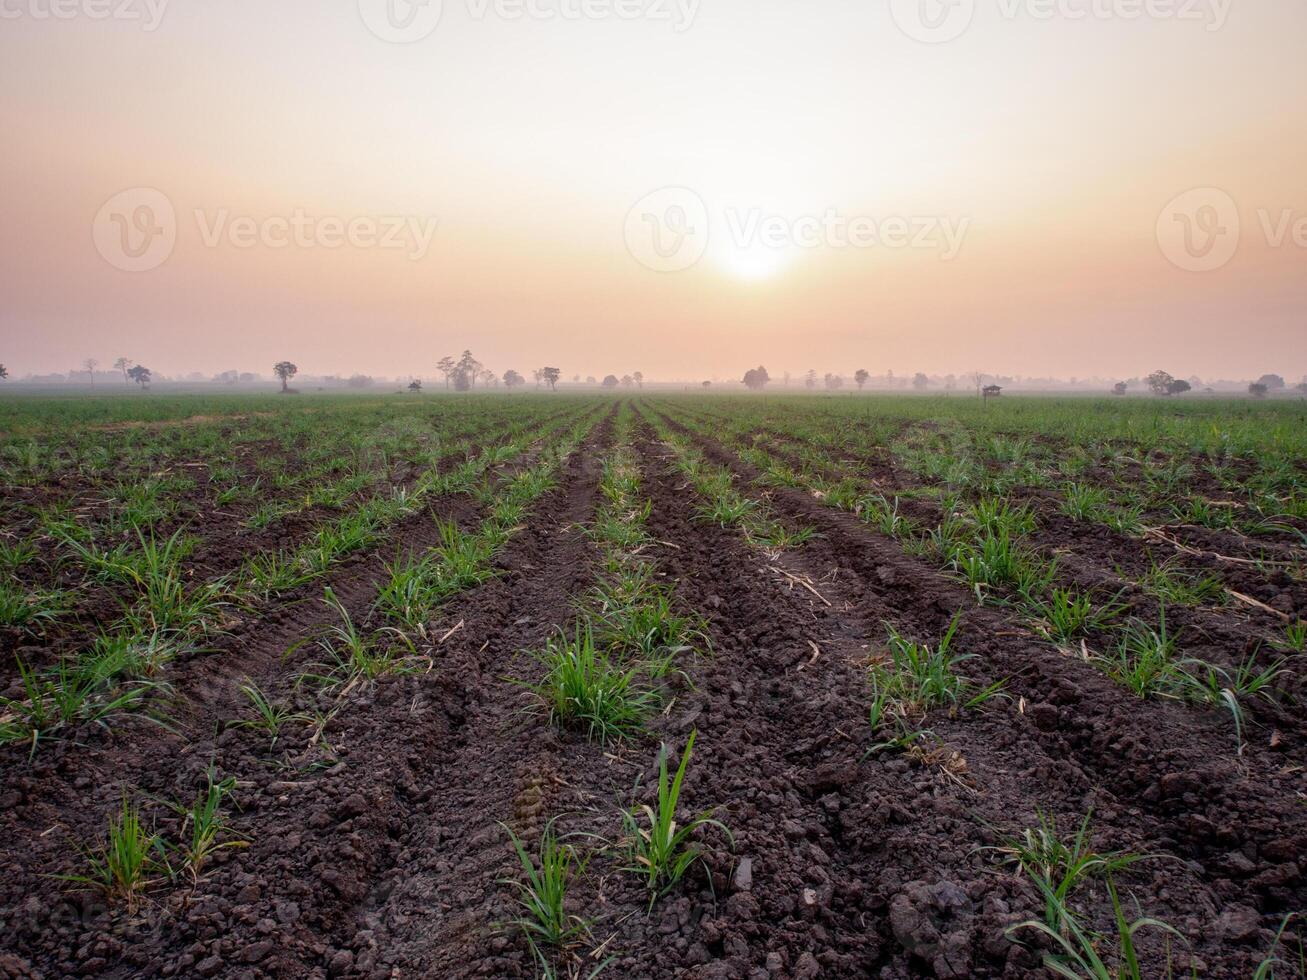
(1093, 558)
(1173, 765)
(320, 818)
(434, 911)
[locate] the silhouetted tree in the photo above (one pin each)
(446, 366)
(1300, 388)
(708, 384)
(920, 381)
(590, 379)
(470, 367)
(462, 379)
(140, 374)
(1273, 382)
(861, 377)
(1119, 388)
(810, 379)
(551, 375)
(1159, 383)
(122, 364)
(755, 379)
(1178, 387)
(91, 364)
(639, 378)
(285, 370)
(833, 381)
(4, 372)
(1258, 390)
(512, 379)
(488, 378)
(610, 381)
(415, 386)
(627, 380)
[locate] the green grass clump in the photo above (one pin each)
(127, 863)
(65, 696)
(205, 827)
(548, 927)
(584, 690)
(1060, 864)
(661, 849)
(354, 655)
(1065, 615)
(917, 677)
(1145, 659)
(1079, 954)
(269, 716)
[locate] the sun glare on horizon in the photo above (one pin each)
(754, 262)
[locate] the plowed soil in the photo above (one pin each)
(378, 851)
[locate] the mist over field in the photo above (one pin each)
(1075, 189)
(661, 489)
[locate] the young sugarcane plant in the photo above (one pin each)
(126, 864)
(549, 929)
(662, 851)
(204, 824)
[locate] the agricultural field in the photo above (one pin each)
(652, 686)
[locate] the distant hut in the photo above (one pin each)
(993, 391)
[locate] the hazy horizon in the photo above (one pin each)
(1086, 187)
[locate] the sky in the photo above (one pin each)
(681, 187)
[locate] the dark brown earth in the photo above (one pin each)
(378, 852)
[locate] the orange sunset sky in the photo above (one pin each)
(1052, 138)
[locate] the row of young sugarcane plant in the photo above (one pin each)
(397, 635)
(658, 843)
(1064, 866)
(910, 679)
(983, 545)
(140, 852)
(606, 679)
(105, 550)
(153, 565)
(624, 652)
(135, 855)
(122, 669)
(720, 502)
